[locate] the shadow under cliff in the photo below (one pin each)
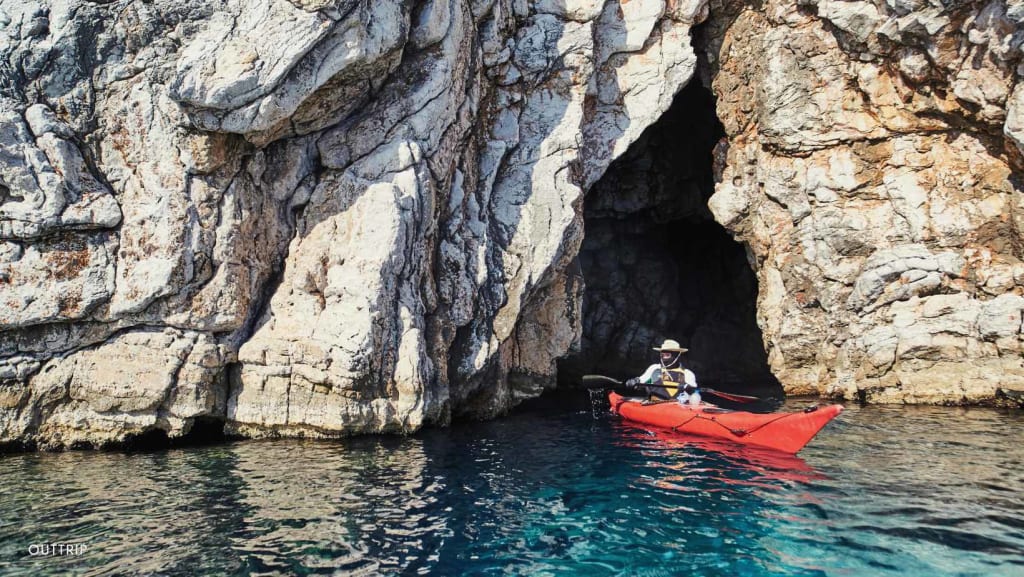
(657, 265)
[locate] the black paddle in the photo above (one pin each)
(598, 382)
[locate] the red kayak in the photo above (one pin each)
(787, 432)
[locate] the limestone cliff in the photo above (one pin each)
(872, 165)
(324, 217)
(304, 217)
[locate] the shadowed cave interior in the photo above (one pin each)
(656, 265)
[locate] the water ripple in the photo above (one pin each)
(883, 491)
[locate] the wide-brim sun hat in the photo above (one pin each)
(671, 345)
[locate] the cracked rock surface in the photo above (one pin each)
(309, 217)
(872, 166)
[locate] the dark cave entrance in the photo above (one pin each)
(656, 264)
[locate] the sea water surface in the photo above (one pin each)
(562, 490)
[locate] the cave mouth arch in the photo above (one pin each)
(657, 265)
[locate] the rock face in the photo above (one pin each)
(872, 165)
(325, 217)
(304, 217)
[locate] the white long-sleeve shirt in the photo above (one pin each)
(653, 373)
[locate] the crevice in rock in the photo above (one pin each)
(657, 265)
(12, 447)
(204, 431)
(6, 195)
(259, 312)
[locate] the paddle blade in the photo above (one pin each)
(730, 396)
(599, 382)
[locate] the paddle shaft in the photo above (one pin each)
(616, 382)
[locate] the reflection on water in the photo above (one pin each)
(879, 491)
(676, 449)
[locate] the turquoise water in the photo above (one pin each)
(881, 491)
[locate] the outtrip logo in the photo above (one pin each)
(56, 549)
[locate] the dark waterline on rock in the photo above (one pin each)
(549, 490)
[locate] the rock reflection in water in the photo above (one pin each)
(365, 506)
(881, 491)
(260, 507)
(150, 510)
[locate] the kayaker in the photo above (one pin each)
(669, 379)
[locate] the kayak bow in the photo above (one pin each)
(787, 432)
